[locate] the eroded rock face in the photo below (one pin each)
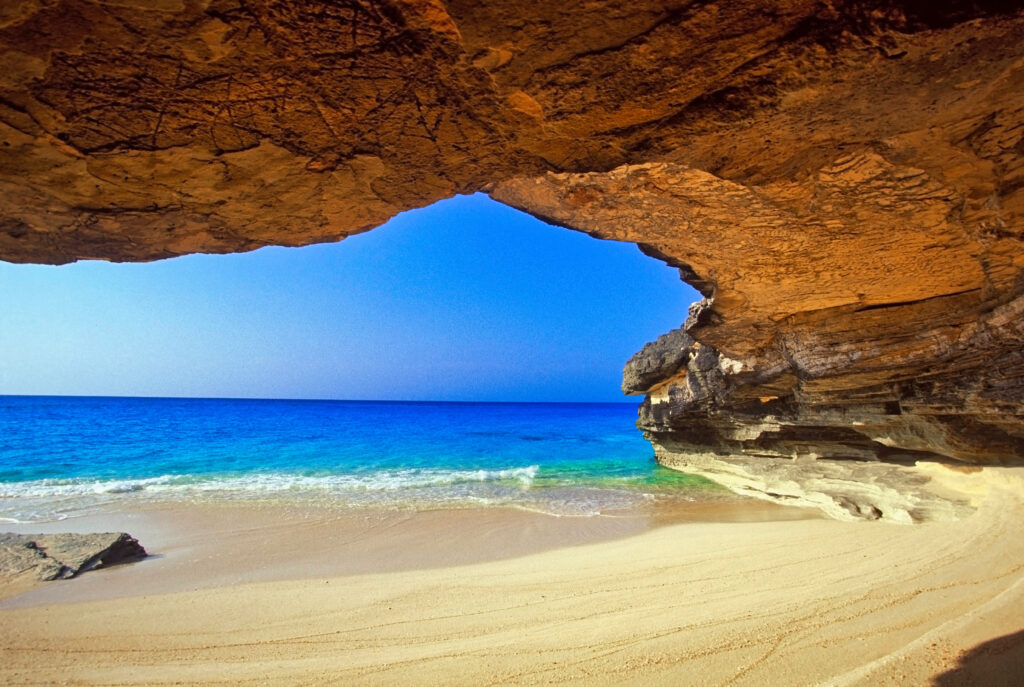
(844, 181)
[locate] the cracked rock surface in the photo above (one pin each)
(843, 181)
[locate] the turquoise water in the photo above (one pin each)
(64, 456)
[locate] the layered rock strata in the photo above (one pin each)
(843, 180)
(893, 356)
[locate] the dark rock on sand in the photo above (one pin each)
(61, 556)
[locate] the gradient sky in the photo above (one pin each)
(464, 300)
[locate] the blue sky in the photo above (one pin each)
(464, 300)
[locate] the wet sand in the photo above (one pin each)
(245, 595)
(197, 546)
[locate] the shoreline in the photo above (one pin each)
(803, 602)
(209, 544)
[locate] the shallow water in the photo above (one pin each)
(65, 456)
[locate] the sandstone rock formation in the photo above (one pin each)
(843, 180)
(60, 556)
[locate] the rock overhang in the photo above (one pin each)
(844, 181)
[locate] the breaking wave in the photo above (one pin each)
(261, 483)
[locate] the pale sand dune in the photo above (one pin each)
(759, 603)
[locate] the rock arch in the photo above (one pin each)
(842, 180)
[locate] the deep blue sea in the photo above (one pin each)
(66, 456)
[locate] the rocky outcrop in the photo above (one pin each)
(60, 556)
(760, 433)
(843, 181)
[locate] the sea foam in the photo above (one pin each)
(70, 456)
(385, 480)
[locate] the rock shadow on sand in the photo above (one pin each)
(998, 662)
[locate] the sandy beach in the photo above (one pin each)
(245, 595)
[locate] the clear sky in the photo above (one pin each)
(464, 300)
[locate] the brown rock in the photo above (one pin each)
(844, 181)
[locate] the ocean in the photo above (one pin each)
(68, 456)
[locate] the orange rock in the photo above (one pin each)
(845, 181)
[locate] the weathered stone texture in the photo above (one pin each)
(844, 181)
(60, 556)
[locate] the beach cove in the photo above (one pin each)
(469, 215)
(250, 595)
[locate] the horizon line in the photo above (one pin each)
(311, 400)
